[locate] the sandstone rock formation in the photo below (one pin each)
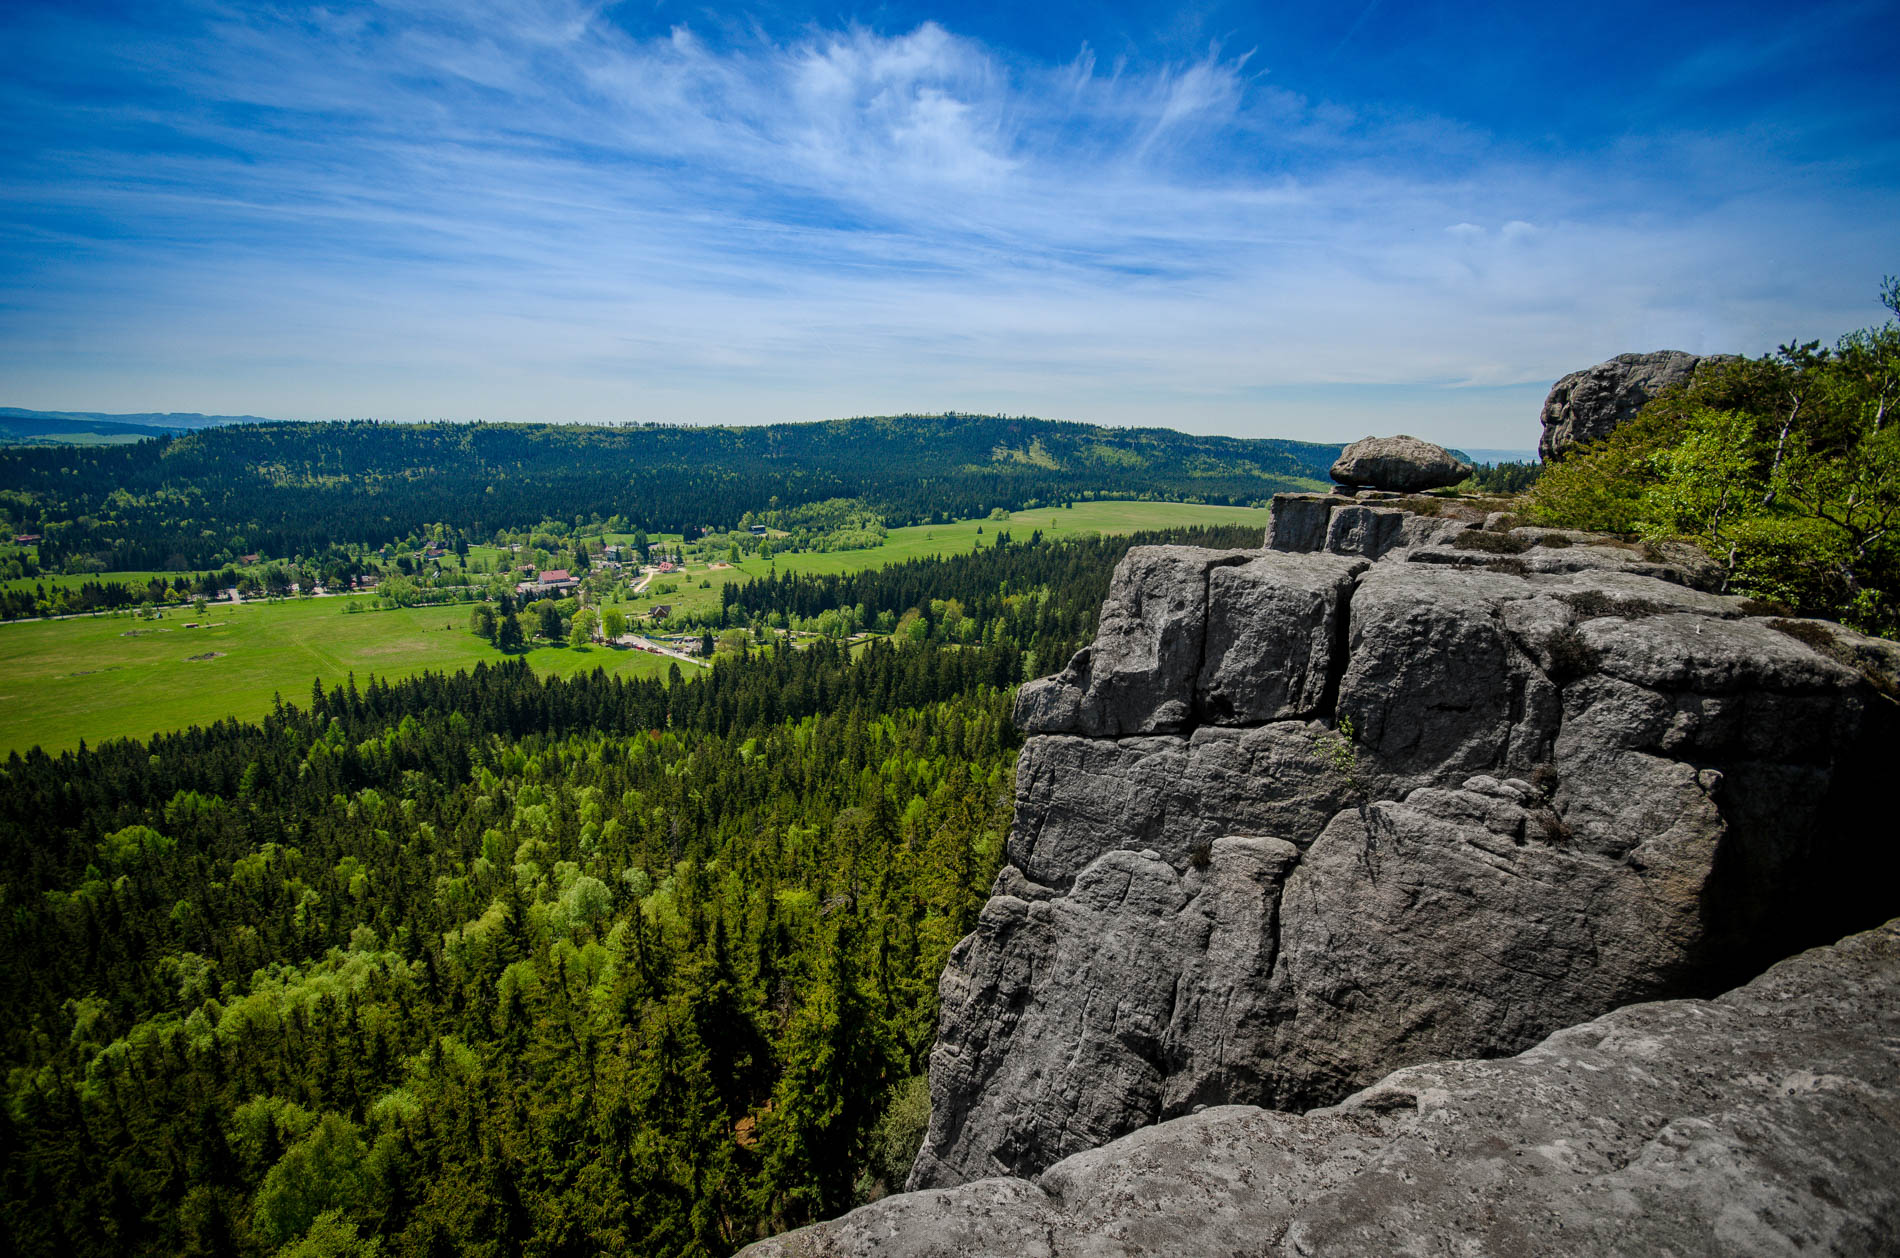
(1587, 405)
(1298, 818)
(1400, 463)
(1764, 1122)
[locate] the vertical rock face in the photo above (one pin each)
(1587, 405)
(1297, 819)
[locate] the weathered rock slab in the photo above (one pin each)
(1143, 973)
(1138, 676)
(1763, 1122)
(1275, 637)
(1189, 635)
(1077, 798)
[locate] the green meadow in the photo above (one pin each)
(62, 581)
(1055, 523)
(110, 676)
(104, 677)
(924, 540)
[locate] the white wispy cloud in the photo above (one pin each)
(518, 210)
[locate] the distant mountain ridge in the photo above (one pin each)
(1476, 454)
(18, 424)
(295, 488)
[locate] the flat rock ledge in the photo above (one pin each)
(1764, 1122)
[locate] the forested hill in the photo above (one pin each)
(287, 489)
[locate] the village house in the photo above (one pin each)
(553, 581)
(660, 612)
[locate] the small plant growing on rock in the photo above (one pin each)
(1335, 750)
(1571, 656)
(1808, 633)
(1491, 543)
(1592, 604)
(1553, 827)
(1589, 604)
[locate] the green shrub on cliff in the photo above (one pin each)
(1785, 468)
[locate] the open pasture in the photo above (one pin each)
(107, 676)
(115, 676)
(925, 540)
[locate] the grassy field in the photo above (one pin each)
(60, 581)
(1056, 524)
(104, 677)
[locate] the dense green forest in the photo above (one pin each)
(495, 963)
(200, 500)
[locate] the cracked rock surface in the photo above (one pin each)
(1763, 1122)
(1302, 816)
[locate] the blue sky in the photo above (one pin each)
(1265, 220)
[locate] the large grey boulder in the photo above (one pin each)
(1401, 463)
(1763, 1122)
(1297, 820)
(1588, 405)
